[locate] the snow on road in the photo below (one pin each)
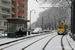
(55, 44)
(4, 40)
(24, 43)
(40, 44)
(72, 43)
(65, 43)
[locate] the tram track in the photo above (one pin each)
(28, 45)
(69, 44)
(48, 42)
(36, 41)
(62, 45)
(19, 40)
(16, 43)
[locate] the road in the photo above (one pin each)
(50, 41)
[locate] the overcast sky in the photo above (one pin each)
(32, 4)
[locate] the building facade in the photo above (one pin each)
(19, 9)
(12, 9)
(5, 12)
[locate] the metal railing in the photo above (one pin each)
(5, 12)
(13, 6)
(5, 5)
(6, 0)
(13, 0)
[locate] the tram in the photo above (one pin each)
(62, 28)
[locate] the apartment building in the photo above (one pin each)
(12, 9)
(19, 9)
(5, 12)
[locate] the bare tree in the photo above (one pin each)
(55, 2)
(53, 15)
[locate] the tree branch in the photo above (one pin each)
(41, 5)
(69, 3)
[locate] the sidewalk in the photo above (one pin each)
(4, 40)
(72, 43)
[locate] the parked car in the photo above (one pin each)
(1, 31)
(37, 30)
(46, 30)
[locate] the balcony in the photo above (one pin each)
(2, 27)
(3, 19)
(5, 5)
(13, 0)
(5, 12)
(13, 6)
(13, 12)
(6, 0)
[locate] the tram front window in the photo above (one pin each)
(60, 27)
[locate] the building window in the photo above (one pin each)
(19, 16)
(20, 11)
(23, 17)
(5, 23)
(22, 0)
(4, 16)
(20, 4)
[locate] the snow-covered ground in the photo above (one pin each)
(4, 40)
(65, 43)
(40, 44)
(23, 43)
(54, 44)
(72, 43)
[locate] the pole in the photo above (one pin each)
(30, 16)
(55, 22)
(42, 23)
(73, 19)
(30, 20)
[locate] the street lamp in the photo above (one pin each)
(30, 16)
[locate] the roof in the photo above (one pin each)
(17, 19)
